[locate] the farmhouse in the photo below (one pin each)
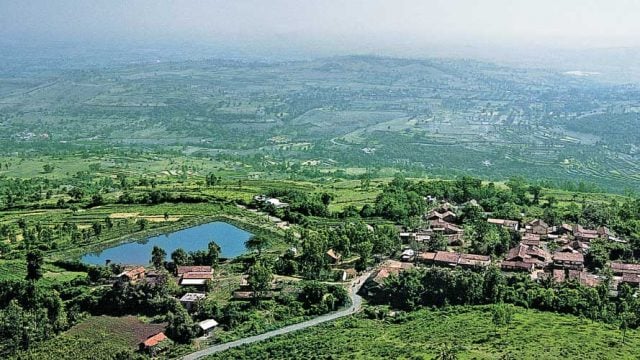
(154, 344)
(447, 216)
(132, 275)
(531, 239)
(538, 227)
(631, 279)
(452, 259)
(195, 278)
(509, 224)
(473, 260)
(517, 266)
(582, 277)
(194, 275)
(568, 260)
(189, 299)
(528, 254)
(621, 269)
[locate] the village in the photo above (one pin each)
(544, 251)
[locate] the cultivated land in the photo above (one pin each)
(468, 331)
(442, 117)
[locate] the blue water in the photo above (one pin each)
(230, 239)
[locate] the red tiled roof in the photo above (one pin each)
(197, 275)
(623, 267)
(447, 257)
(155, 340)
(517, 265)
(568, 256)
(196, 269)
(427, 256)
(631, 278)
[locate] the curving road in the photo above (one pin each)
(356, 304)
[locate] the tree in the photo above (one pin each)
(142, 223)
(257, 243)
(34, 265)
(259, 280)
(97, 228)
(157, 257)
(48, 168)
(180, 257)
(180, 325)
(213, 253)
(446, 352)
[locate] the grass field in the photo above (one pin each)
(468, 330)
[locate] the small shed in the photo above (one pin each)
(207, 326)
(189, 299)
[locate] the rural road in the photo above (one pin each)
(356, 303)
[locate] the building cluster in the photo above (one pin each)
(544, 251)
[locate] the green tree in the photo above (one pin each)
(213, 253)
(180, 257)
(257, 243)
(34, 265)
(259, 280)
(157, 257)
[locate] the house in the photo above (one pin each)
(408, 255)
(447, 216)
(194, 275)
(207, 326)
(444, 227)
(132, 275)
(531, 239)
(446, 258)
(620, 269)
(473, 260)
(198, 269)
(154, 344)
(388, 268)
(451, 232)
(333, 256)
(564, 229)
(426, 257)
(509, 224)
(585, 235)
(631, 279)
(538, 227)
(568, 260)
(582, 277)
(517, 266)
(269, 201)
(195, 278)
(189, 299)
(528, 254)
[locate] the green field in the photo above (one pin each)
(468, 331)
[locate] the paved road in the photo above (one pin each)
(356, 303)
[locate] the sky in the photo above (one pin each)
(381, 26)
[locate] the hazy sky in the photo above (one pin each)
(357, 24)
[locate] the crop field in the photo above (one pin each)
(99, 337)
(467, 331)
(432, 116)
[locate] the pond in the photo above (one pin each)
(230, 239)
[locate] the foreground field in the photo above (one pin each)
(468, 330)
(99, 337)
